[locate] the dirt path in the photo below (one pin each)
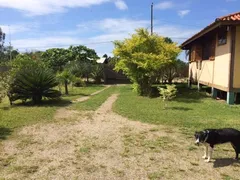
(106, 146)
(66, 113)
(81, 99)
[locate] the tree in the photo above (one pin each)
(24, 60)
(4, 84)
(2, 39)
(175, 69)
(85, 57)
(83, 54)
(57, 58)
(142, 56)
(168, 40)
(97, 73)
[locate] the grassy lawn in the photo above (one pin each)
(96, 101)
(20, 115)
(76, 92)
(191, 109)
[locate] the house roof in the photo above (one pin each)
(231, 18)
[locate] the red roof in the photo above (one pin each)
(230, 17)
(235, 17)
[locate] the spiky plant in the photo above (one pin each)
(33, 83)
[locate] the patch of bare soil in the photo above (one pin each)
(108, 146)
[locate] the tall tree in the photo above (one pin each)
(142, 55)
(57, 58)
(2, 39)
(83, 54)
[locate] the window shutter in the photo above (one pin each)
(193, 53)
(212, 49)
(198, 55)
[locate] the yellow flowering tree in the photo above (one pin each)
(142, 56)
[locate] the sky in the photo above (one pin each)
(41, 24)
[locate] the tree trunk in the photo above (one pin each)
(37, 99)
(87, 79)
(145, 86)
(66, 87)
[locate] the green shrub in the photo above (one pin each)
(33, 83)
(167, 93)
(78, 82)
(4, 84)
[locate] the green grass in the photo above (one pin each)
(77, 92)
(191, 110)
(96, 101)
(20, 115)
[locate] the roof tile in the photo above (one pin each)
(230, 17)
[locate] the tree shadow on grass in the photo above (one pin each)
(4, 132)
(190, 96)
(45, 103)
(223, 162)
(179, 108)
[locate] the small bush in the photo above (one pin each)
(167, 93)
(78, 82)
(33, 83)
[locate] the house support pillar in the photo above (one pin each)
(199, 86)
(214, 93)
(230, 98)
(189, 83)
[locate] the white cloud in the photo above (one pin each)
(107, 29)
(110, 25)
(121, 5)
(14, 28)
(43, 7)
(183, 13)
(44, 43)
(165, 5)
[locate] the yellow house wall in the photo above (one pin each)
(206, 72)
(216, 73)
(222, 63)
(236, 74)
(203, 74)
(193, 71)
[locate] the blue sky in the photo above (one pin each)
(42, 24)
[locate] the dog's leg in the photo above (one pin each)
(206, 152)
(209, 154)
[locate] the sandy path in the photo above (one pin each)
(66, 113)
(105, 146)
(81, 99)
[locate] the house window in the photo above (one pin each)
(222, 36)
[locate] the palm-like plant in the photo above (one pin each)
(66, 77)
(97, 73)
(33, 83)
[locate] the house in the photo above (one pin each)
(110, 76)
(214, 56)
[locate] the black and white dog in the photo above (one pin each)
(211, 137)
